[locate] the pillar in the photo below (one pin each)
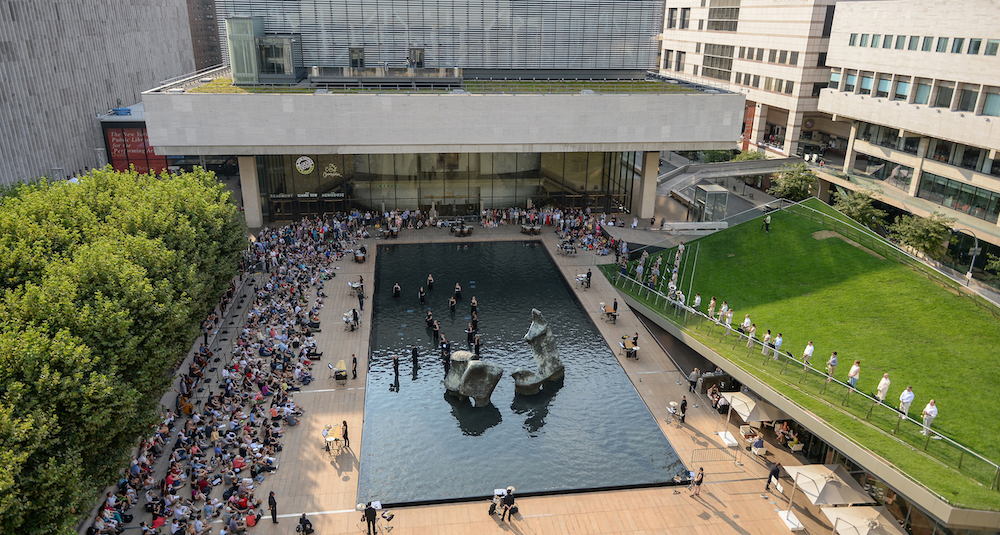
(918, 171)
(251, 192)
(759, 123)
(644, 197)
(849, 154)
(792, 132)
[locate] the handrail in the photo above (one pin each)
(789, 358)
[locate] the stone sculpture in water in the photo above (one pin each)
(543, 347)
(470, 377)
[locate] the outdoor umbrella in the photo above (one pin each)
(862, 521)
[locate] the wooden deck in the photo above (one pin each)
(311, 480)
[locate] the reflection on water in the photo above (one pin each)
(472, 420)
(536, 406)
(420, 444)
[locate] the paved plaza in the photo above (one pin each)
(325, 486)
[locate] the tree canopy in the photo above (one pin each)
(104, 282)
(924, 234)
(794, 182)
(860, 206)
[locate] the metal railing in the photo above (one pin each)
(830, 394)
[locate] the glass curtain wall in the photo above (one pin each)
(891, 173)
(977, 202)
(294, 186)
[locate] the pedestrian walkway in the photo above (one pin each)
(325, 486)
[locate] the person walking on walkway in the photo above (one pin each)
(698, 480)
(370, 518)
(693, 379)
(272, 504)
(347, 441)
(773, 474)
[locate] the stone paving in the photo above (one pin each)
(325, 486)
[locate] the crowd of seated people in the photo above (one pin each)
(216, 447)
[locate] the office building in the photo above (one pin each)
(63, 63)
(204, 33)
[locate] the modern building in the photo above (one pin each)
(204, 33)
(455, 108)
(63, 63)
(772, 51)
(918, 85)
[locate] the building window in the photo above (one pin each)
(777, 86)
(866, 84)
(991, 47)
(884, 84)
(679, 64)
(957, 45)
(743, 52)
(977, 202)
(767, 83)
(928, 43)
(789, 86)
(750, 52)
(834, 82)
(697, 48)
(772, 56)
(828, 21)
(416, 59)
(817, 89)
(760, 54)
(700, 24)
(887, 41)
(900, 42)
(854, 40)
(876, 39)
(666, 58)
(864, 39)
(991, 104)
(718, 61)
(672, 18)
(967, 99)
(945, 92)
(821, 59)
(850, 83)
(694, 70)
(902, 90)
(793, 58)
(942, 44)
(357, 58)
(756, 80)
(914, 43)
(685, 17)
(923, 93)
(892, 173)
(723, 15)
(783, 56)
(974, 45)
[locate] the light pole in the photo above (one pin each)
(975, 251)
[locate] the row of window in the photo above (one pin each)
(770, 84)
(956, 45)
(966, 198)
(956, 154)
(673, 61)
(962, 97)
(685, 20)
(781, 57)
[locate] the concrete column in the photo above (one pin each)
(849, 155)
(644, 197)
(918, 171)
(792, 132)
(759, 123)
(251, 192)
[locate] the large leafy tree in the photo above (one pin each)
(794, 182)
(749, 155)
(860, 206)
(104, 282)
(924, 234)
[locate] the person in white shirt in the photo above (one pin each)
(697, 301)
(883, 387)
(854, 374)
(808, 353)
(904, 401)
(930, 412)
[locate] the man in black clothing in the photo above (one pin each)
(775, 470)
(508, 503)
(370, 518)
(588, 278)
(615, 305)
(684, 407)
(272, 504)
(307, 526)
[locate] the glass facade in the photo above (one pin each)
(892, 173)
(292, 186)
(966, 198)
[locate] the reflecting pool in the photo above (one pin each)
(591, 430)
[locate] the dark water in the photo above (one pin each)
(421, 444)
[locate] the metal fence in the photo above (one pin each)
(825, 395)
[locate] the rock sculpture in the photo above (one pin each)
(543, 346)
(470, 377)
